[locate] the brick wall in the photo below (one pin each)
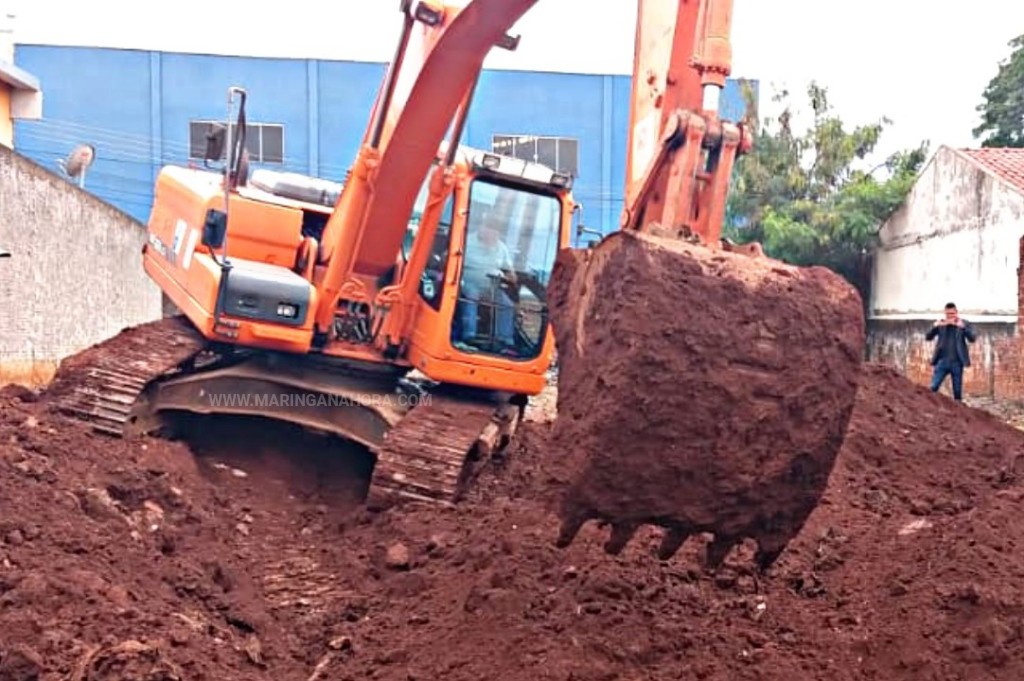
(75, 277)
(995, 355)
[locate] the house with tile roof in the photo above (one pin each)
(957, 238)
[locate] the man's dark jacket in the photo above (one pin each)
(962, 336)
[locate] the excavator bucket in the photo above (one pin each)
(699, 390)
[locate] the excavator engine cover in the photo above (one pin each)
(700, 390)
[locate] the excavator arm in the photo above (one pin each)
(680, 152)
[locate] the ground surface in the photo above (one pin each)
(251, 559)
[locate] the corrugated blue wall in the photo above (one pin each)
(135, 107)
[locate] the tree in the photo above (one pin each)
(804, 198)
(1002, 111)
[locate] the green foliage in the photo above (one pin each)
(804, 198)
(1002, 111)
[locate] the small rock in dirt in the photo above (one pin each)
(254, 650)
(31, 422)
(20, 664)
(152, 512)
(914, 526)
(726, 579)
(98, 504)
(920, 507)
(31, 531)
(35, 467)
(128, 661)
(397, 557)
(242, 529)
(179, 636)
(757, 639)
(14, 538)
(119, 597)
(340, 643)
(239, 473)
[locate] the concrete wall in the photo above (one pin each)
(956, 238)
(75, 277)
(135, 106)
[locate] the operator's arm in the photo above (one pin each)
(933, 332)
(969, 331)
(505, 263)
(506, 258)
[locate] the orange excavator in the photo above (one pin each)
(405, 308)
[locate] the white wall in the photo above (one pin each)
(75, 277)
(956, 238)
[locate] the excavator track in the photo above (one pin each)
(426, 453)
(427, 457)
(100, 385)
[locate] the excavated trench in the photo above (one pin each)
(308, 464)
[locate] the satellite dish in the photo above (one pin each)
(77, 162)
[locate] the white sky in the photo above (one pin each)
(922, 63)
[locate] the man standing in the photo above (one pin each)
(951, 354)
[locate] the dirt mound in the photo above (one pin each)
(253, 563)
(914, 556)
(701, 390)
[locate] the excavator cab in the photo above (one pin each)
(483, 291)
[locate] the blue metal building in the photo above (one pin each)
(142, 109)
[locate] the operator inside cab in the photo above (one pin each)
(488, 289)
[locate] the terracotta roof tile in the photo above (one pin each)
(1007, 163)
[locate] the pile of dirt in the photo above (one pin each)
(125, 560)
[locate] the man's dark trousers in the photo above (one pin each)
(949, 367)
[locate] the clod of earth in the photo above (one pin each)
(700, 390)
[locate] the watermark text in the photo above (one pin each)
(310, 400)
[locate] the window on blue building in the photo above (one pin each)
(560, 153)
(264, 141)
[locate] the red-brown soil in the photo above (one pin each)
(252, 560)
(700, 390)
